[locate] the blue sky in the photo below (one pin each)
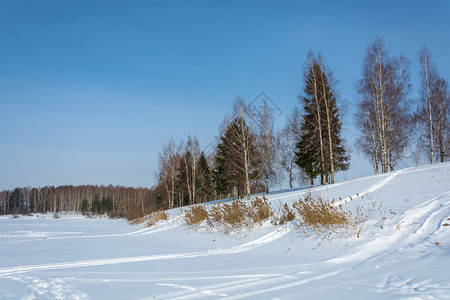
(91, 90)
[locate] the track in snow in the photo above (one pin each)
(428, 215)
(371, 189)
(268, 238)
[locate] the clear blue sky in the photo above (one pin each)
(91, 90)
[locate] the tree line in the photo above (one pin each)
(251, 155)
(84, 198)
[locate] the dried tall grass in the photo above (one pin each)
(156, 217)
(322, 216)
(194, 215)
(313, 214)
(230, 217)
(260, 210)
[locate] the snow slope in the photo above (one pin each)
(403, 251)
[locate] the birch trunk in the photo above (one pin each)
(330, 137)
(319, 123)
(430, 117)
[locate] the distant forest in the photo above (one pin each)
(85, 198)
(250, 155)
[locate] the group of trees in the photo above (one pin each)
(388, 118)
(183, 175)
(85, 198)
(251, 155)
(245, 157)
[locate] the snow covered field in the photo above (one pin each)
(404, 256)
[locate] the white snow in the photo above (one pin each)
(403, 251)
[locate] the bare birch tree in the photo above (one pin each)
(191, 159)
(399, 117)
(242, 144)
(289, 136)
(278, 150)
(383, 115)
(168, 165)
(442, 128)
(428, 75)
(433, 110)
(266, 142)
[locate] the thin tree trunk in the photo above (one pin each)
(194, 157)
(430, 118)
(54, 202)
(247, 177)
(382, 117)
(187, 179)
(319, 123)
(330, 137)
(442, 124)
(290, 179)
(391, 163)
(372, 132)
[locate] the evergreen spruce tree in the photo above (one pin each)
(15, 200)
(306, 158)
(84, 207)
(96, 206)
(204, 181)
(320, 150)
(220, 175)
(105, 204)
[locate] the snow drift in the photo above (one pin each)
(402, 250)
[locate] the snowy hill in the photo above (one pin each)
(402, 251)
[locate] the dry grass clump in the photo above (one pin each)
(231, 216)
(260, 210)
(194, 215)
(322, 216)
(156, 217)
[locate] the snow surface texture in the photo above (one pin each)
(402, 251)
